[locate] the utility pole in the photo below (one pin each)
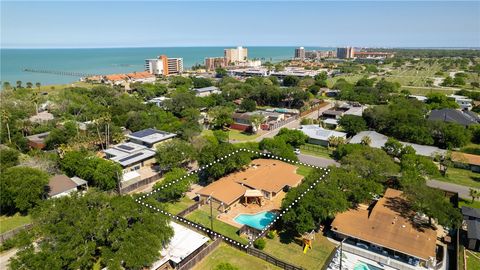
(211, 212)
(341, 253)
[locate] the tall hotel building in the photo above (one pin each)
(300, 53)
(237, 55)
(164, 65)
(346, 53)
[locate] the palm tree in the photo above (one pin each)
(19, 84)
(6, 85)
(366, 140)
(256, 120)
(333, 141)
(474, 193)
(29, 85)
(6, 119)
(38, 85)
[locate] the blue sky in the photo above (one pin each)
(63, 24)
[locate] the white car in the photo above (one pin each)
(297, 151)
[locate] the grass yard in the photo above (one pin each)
(237, 258)
(8, 223)
(463, 202)
(472, 148)
(233, 134)
(426, 90)
(292, 252)
(473, 259)
(316, 150)
(177, 207)
(462, 177)
(304, 170)
(202, 216)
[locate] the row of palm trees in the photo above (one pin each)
(7, 85)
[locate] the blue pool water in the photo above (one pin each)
(365, 266)
(257, 221)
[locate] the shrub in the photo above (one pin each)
(260, 243)
(271, 234)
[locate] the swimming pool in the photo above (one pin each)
(257, 221)
(365, 266)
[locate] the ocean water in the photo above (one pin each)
(110, 60)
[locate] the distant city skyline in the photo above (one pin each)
(206, 24)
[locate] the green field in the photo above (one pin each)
(304, 170)
(475, 204)
(462, 177)
(473, 259)
(202, 216)
(235, 257)
(316, 150)
(234, 135)
(177, 207)
(8, 223)
(292, 252)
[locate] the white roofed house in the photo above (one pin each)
(319, 135)
(184, 245)
(206, 91)
(150, 137)
(378, 141)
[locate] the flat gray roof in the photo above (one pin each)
(151, 135)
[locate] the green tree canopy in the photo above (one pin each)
(352, 124)
(278, 147)
(94, 230)
(22, 189)
(293, 137)
(174, 153)
(171, 188)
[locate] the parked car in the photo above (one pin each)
(297, 151)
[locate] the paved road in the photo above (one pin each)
(317, 161)
(462, 191)
(5, 257)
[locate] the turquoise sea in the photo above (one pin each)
(110, 60)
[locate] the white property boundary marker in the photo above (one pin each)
(184, 220)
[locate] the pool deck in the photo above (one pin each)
(268, 205)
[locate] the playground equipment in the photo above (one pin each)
(307, 240)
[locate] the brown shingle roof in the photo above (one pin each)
(60, 183)
(466, 158)
(140, 75)
(264, 174)
(389, 225)
(116, 77)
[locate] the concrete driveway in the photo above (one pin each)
(463, 191)
(317, 161)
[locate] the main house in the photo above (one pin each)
(389, 233)
(319, 135)
(266, 177)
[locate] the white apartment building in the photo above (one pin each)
(236, 55)
(163, 65)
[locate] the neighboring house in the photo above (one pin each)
(419, 98)
(41, 117)
(61, 185)
(37, 141)
(182, 246)
(206, 91)
(471, 224)
(265, 177)
(390, 234)
(115, 79)
(319, 135)
(467, 161)
(150, 137)
(378, 141)
(454, 116)
(464, 102)
(142, 77)
(271, 120)
(131, 156)
(159, 101)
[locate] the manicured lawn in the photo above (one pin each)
(237, 258)
(202, 216)
(475, 204)
(8, 223)
(177, 207)
(473, 260)
(462, 177)
(304, 170)
(472, 148)
(316, 150)
(292, 252)
(241, 136)
(233, 135)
